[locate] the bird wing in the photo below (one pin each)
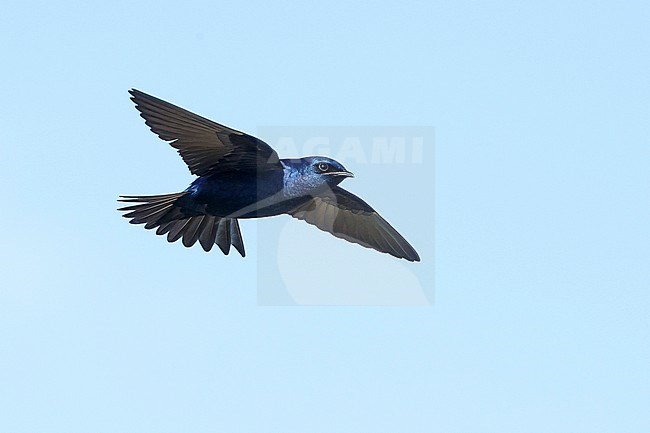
(346, 216)
(206, 146)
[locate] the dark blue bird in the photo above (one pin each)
(243, 177)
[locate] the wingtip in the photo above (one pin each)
(138, 95)
(413, 256)
(410, 257)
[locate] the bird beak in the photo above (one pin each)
(340, 173)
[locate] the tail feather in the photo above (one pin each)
(164, 212)
(164, 228)
(208, 236)
(223, 235)
(177, 231)
(147, 213)
(236, 238)
(191, 233)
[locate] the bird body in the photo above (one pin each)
(240, 176)
(238, 194)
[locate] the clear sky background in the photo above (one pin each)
(539, 322)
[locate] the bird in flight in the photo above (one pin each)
(240, 176)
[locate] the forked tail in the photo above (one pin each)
(166, 213)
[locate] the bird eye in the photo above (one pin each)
(323, 167)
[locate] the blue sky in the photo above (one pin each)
(536, 280)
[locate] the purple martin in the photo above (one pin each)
(240, 176)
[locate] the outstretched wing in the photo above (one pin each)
(346, 216)
(206, 146)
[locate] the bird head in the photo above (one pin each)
(306, 175)
(320, 170)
